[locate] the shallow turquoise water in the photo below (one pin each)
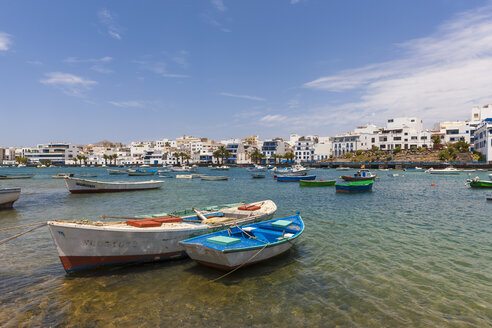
(406, 254)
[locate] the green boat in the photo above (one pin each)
(190, 211)
(317, 183)
(475, 183)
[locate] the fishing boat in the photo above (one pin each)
(448, 171)
(139, 172)
(62, 175)
(291, 174)
(16, 176)
(245, 245)
(476, 183)
(415, 169)
(361, 175)
(354, 186)
(214, 177)
(85, 244)
(116, 172)
(8, 196)
(77, 185)
(165, 176)
(221, 168)
(258, 175)
(256, 168)
(184, 176)
(285, 178)
(184, 169)
(317, 183)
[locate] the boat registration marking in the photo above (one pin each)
(109, 244)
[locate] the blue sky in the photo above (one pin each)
(86, 71)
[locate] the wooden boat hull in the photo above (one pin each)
(214, 178)
(480, 184)
(84, 246)
(353, 188)
(117, 172)
(8, 197)
(16, 176)
(77, 186)
(352, 178)
(258, 176)
(295, 178)
(307, 183)
(232, 257)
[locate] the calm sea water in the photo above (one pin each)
(406, 254)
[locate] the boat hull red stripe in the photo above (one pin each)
(75, 263)
(83, 191)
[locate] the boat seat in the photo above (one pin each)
(249, 228)
(286, 235)
(223, 240)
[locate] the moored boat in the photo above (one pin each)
(184, 169)
(476, 183)
(85, 244)
(77, 185)
(361, 175)
(184, 176)
(490, 176)
(139, 172)
(488, 196)
(245, 245)
(285, 178)
(258, 175)
(62, 175)
(317, 183)
(343, 168)
(16, 176)
(221, 168)
(448, 171)
(415, 169)
(214, 177)
(354, 186)
(8, 196)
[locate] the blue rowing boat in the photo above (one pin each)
(354, 186)
(282, 178)
(245, 245)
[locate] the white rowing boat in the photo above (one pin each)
(76, 185)
(215, 177)
(8, 196)
(85, 244)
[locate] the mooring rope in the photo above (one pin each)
(252, 257)
(19, 226)
(3, 241)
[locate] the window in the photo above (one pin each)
(412, 120)
(397, 138)
(390, 121)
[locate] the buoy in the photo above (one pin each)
(432, 184)
(320, 179)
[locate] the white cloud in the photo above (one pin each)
(131, 103)
(219, 4)
(70, 84)
(437, 78)
(34, 62)
(101, 69)
(107, 19)
(212, 21)
(241, 96)
(74, 60)
(159, 68)
(5, 41)
(293, 2)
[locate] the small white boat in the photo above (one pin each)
(342, 168)
(414, 169)
(490, 176)
(221, 168)
(214, 177)
(245, 245)
(393, 174)
(448, 170)
(16, 176)
(184, 169)
(299, 169)
(184, 176)
(8, 196)
(76, 185)
(257, 175)
(85, 244)
(138, 172)
(256, 168)
(489, 195)
(62, 175)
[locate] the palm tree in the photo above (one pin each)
(224, 153)
(276, 157)
(114, 157)
(216, 154)
(187, 157)
(106, 157)
(177, 156)
(256, 156)
(289, 156)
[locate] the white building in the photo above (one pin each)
(57, 153)
(483, 139)
(272, 147)
(456, 131)
(323, 149)
(304, 148)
